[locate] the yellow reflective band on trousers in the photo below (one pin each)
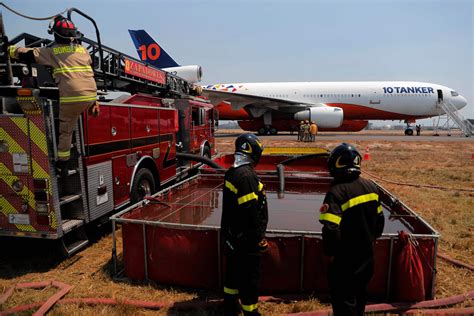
(379, 209)
(82, 98)
(249, 308)
(247, 197)
(62, 70)
(230, 186)
(330, 218)
(230, 291)
(359, 200)
(64, 154)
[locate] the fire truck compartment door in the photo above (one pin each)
(100, 189)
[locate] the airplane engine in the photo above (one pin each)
(323, 116)
(191, 73)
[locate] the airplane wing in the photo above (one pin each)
(240, 100)
(258, 106)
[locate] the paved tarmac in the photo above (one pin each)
(366, 137)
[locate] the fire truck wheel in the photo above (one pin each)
(206, 152)
(262, 131)
(143, 185)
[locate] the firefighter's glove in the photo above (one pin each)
(262, 246)
(11, 51)
(94, 110)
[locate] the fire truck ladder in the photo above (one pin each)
(69, 193)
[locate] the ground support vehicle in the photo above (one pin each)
(125, 153)
(161, 236)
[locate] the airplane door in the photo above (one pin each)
(440, 95)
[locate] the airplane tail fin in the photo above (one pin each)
(150, 51)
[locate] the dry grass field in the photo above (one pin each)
(449, 210)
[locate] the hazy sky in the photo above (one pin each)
(262, 41)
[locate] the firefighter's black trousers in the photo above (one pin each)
(349, 288)
(242, 278)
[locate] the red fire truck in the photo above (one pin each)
(127, 152)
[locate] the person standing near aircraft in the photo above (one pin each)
(306, 134)
(72, 71)
(313, 129)
(243, 225)
(301, 131)
(352, 219)
(418, 129)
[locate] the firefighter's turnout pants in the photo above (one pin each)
(68, 116)
(241, 280)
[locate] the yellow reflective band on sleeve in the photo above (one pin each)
(83, 98)
(260, 186)
(330, 218)
(230, 291)
(64, 154)
(230, 186)
(249, 308)
(359, 200)
(379, 209)
(246, 198)
(68, 49)
(72, 69)
(11, 51)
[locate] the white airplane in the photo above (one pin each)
(272, 107)
(342, 106)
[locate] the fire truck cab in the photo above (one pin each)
(124, 154)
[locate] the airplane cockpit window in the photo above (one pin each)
(454, 94)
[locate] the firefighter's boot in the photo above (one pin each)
(62, 168)
(231, 305)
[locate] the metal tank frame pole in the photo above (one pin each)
(145, 254)
(302, 264)
(389, 272)
(114, 248)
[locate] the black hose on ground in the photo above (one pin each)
(198, 158)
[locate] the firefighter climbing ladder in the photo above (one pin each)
(113, 70)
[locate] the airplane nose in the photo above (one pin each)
(460, 102)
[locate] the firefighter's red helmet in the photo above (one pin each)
(63, 28)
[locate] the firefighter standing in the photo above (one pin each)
(73, 74)
(352, 219)
(301, 131)
(313, 129)
(306, 134)
(243, 225)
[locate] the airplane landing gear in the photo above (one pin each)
(267, 130)
(408, 129)
(262, 131)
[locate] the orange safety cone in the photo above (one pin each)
(366, 154)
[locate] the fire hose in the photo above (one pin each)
(425, 306)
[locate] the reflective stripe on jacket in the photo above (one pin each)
(244, 210)
(71, 70)
(352, 219)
